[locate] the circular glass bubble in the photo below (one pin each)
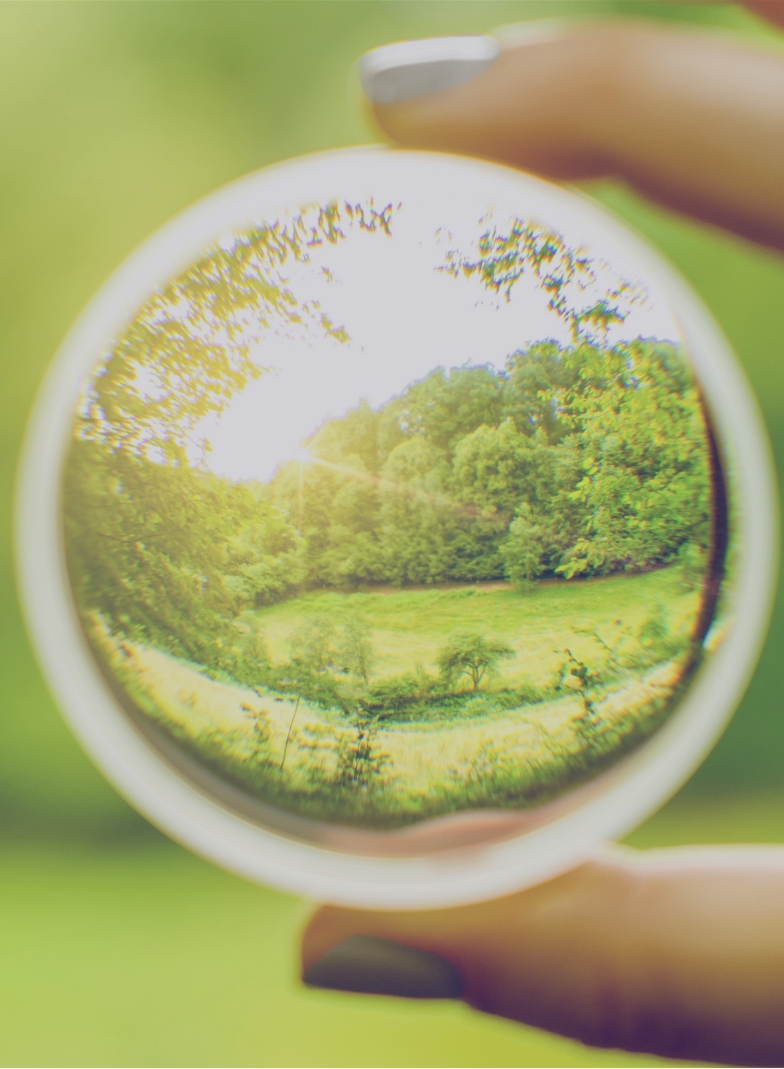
(393, 525)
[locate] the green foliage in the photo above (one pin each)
(523, 549)
(409, 692)
(361, 762)
(644, 489)
(342, 647)
(472, 655)
(584, 292)
(654, 632)
(383, 750)
(119, 158)
(244, 655)
(164, 553)
(691, 558)
(303, 681)
(495, 468)
(157, 546)
(443, 408)
(188, 351)
(571, 462)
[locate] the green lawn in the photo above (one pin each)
(405, 743)
(411, 626)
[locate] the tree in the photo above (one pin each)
(170, 556)
(472, 655)
(494, 467)
(312, 644)
(537, 378)
(355, 648)
(268, 556)
(341, 646)
(443, 407)
(147, 549)
(360, 760)
(574, 460)
(645, 485)
(523, 548)
(417, 513)
(247, 658)
(161, 549)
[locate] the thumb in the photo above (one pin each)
(678, 953)
(528, 956)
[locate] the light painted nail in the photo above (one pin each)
(410, 68)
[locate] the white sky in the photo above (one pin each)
(404, 319)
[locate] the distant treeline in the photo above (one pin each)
(576, 461)
(570, 462)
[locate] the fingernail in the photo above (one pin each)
(409, 68)
(374, 966)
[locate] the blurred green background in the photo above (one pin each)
(117, 947)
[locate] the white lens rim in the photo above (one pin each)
(211, 829)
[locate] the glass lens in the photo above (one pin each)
(386, 511)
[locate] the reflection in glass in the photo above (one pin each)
(381, 517)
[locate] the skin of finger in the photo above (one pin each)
(680, 961)
(770, 10)
(692, 118)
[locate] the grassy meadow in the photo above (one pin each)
(410, 745)
(411, 625)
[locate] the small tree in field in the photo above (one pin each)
(355, 648)
(468, 654)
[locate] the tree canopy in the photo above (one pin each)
(475, 656)
(582, 290)
(571, 461)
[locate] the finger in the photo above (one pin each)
(693, 119)
(771, 10)
(679, 955)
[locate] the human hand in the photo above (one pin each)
(692, 118)
(677, 953)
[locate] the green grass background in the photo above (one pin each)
(117, 947)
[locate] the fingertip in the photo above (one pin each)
(406, 69)
(515, 107)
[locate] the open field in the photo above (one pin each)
(198, 707)
(519, 738)
(410, 626)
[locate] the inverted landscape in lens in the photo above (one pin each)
(382, 513)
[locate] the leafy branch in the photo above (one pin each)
(566, 274)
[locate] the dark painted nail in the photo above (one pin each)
(380, 967)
